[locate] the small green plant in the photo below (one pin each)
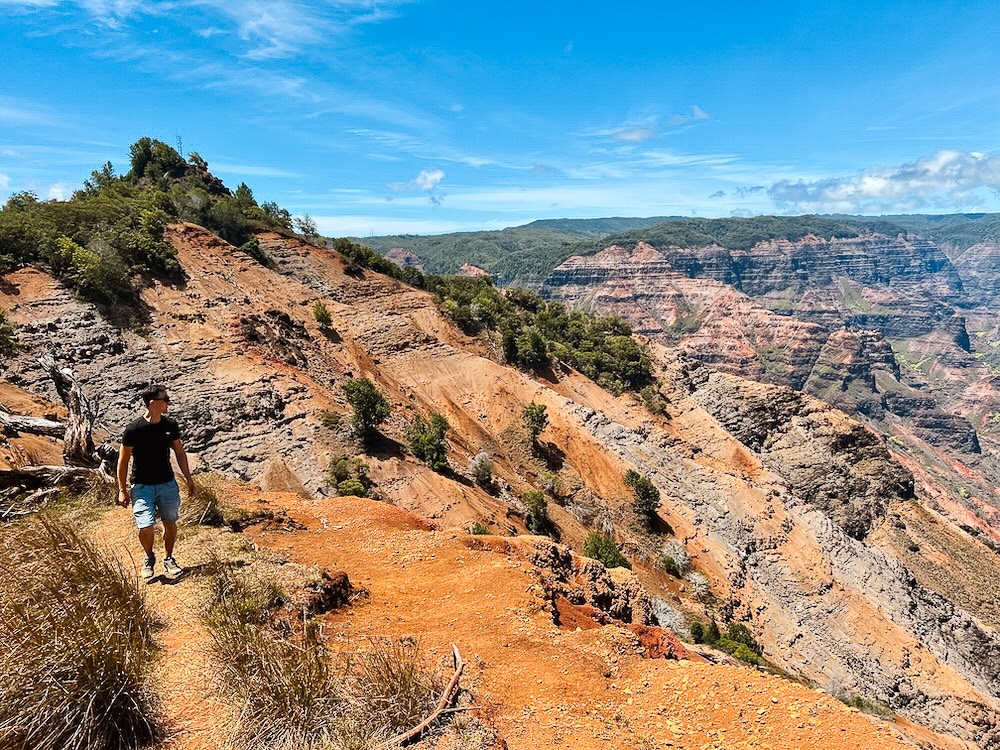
(601, 547)
(76, 669)
(426, 440)
(674, 559)
(535, 419)
(537, 519)
(482, 470)
(349, 476)
(479, 529)
(8, 338)
(370, 407)
(647, 498)
(322, 314)
(252, 248)
(351, 487)
(331, 420)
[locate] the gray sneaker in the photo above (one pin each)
(148, 569)
(170, 565)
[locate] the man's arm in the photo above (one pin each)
(182, 462)
(124, 494)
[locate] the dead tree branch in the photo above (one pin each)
(446, 697)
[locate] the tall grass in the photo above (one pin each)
(291, 691)
(77, 644)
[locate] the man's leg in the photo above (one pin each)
(169, 537)
(146, 539)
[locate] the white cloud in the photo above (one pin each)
(428, 179)
(4, 181)
(58, 192)
(945, 179)
(634, 135)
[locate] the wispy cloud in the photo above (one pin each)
(4, 181)
(694, 114)
(252, 170)
(945, 178)
(15, 112)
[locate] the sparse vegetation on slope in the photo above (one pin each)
(525, 330)
(77, 644)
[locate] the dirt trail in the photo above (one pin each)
(193, 717)
(547, 687)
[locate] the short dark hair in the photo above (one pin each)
(149, 393)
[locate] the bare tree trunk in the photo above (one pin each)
(78, 442)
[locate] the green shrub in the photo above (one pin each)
(331, 420)
(78, 644)
(8, 337)
(252, 248)
(349, 476)
(537, 506)
(351, 487)
(322, 314)
(601, 547)
(697, 632)
(370, 407)
(647, 498)
(482, 470)
(532, 333)
(426, 440)
(479, 529)
(535, 419)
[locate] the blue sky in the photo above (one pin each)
(441, 116)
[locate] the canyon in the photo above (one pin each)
(842, 544)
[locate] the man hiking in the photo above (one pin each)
(154, 491)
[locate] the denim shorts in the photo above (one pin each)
(150, 501)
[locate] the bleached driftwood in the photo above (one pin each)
(78, 441)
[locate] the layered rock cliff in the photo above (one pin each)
(882, 327)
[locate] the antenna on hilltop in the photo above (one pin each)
(180, 147)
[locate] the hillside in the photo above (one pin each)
(796, 516)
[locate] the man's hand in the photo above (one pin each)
(191, 487)
(124, 499)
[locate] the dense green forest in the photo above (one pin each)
(107, 239)
(958, 230)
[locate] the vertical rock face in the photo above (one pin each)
(979, 267)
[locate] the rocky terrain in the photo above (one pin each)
(886, 328)
(846, 567)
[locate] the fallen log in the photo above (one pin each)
(25, 490)
(32, 425)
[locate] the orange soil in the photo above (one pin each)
(546, 686)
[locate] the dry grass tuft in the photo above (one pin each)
(77, 643)
(290, 690)
(205, 507)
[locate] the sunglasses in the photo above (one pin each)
(165, 399)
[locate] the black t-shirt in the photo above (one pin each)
(150, 444)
